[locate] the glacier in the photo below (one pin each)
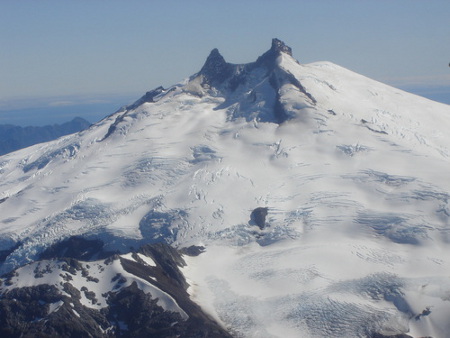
(355, 176)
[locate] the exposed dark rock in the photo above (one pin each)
(425, 312)
(292, 79)
(147, 98)
(90, 295)
(169, 259)
(379, 335)
(258, 217)
(226, 77)
(202, 153)
(216, 70)
(119, 280)
(365, 123)
(331, 111)
(192, 250)
(280, 114)
(78, 248)
(269, 57)
(279, 46)
(121, 113)
(377, 131)
(169, 278)
(112, 128)
(24, 312)
(137, 314)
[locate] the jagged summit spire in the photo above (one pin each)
(269, 57)
(214, 57)
(215, 67)
(279, 46)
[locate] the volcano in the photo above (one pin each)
(268, 199)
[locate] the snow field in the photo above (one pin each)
(356, 183)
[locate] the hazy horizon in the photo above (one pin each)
(53, 50)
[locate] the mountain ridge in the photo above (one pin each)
(15, 137)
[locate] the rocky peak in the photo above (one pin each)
(214, 58)
(269, 57)
(215, 69)
(279, 46)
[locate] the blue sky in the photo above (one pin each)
(57, 53)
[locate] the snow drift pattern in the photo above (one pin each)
(354, 175)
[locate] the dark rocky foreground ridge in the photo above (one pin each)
(46, 310)
(14, 137)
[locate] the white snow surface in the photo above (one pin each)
(356, 184)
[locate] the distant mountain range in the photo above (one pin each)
(15, 137)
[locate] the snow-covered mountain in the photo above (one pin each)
(321, 198)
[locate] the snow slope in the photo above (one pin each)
(354, 173)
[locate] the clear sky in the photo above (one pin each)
(61, 53)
